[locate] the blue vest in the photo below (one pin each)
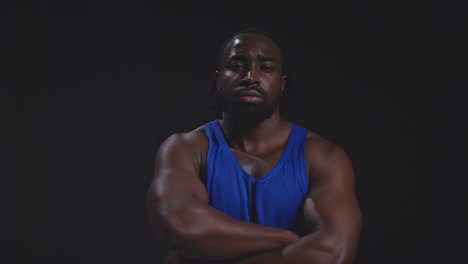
(273, 199)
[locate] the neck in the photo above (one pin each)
(252, 137)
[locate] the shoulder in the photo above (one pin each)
(191, 145)
(317, 146)
(192, 139)
(323, 155)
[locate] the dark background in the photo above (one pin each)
(101, 84)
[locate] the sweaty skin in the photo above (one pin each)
(178, 206)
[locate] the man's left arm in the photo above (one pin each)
(331, 211)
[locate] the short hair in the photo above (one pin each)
(249, 30)
(288, 92)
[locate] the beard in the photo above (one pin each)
(250, 113)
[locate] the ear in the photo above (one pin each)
(216, 79)
(283, 82)
(213, 89)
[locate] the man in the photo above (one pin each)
(251, 187)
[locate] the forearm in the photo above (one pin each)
(314, 248)
(278, 257)
(202, 232)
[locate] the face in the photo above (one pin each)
(250, 80)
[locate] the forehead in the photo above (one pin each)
(253, 45)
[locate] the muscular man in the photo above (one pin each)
(250, 186)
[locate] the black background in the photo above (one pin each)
(101, 84)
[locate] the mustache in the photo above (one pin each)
(241, 89)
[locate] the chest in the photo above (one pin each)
(257, 165)
(273, 200)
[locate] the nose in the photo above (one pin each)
(251, 77)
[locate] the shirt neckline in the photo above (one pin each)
(269, 174)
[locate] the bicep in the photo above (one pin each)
(332, 190)
(176, 184)
(176, 172)
(331, 207)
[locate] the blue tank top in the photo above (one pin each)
(272, 199)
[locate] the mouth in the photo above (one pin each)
(252, 93)
(250, 99)
(249, 95)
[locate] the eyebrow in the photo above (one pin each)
(263, 58)
(243, 57)
(240, 57)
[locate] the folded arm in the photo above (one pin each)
(331, 211)
(184, 221)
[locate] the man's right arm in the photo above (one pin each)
(184, 221)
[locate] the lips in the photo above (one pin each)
(250, 96)
(252, 93)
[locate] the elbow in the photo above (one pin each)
(171, 227)
(325, 256)
(177, 228)
(318, 253)
(337, 255)
(316, 256)
(180, 234)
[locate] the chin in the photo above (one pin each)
(251, 115)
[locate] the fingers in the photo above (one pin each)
(172, 258)
(312, 217)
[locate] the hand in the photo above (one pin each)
(291, 237)
(172, 258)
(312, 217)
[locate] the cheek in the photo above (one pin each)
(275, 82)
(229, 74)
(227, 78)
(231, 77)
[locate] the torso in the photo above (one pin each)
(256, 165)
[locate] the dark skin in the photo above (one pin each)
(178, 202)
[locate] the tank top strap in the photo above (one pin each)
(215, 135)
(298, 134)
(211, 133)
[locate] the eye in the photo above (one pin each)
(236, 66)
(267, 68)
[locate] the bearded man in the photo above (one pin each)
(250, 186)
